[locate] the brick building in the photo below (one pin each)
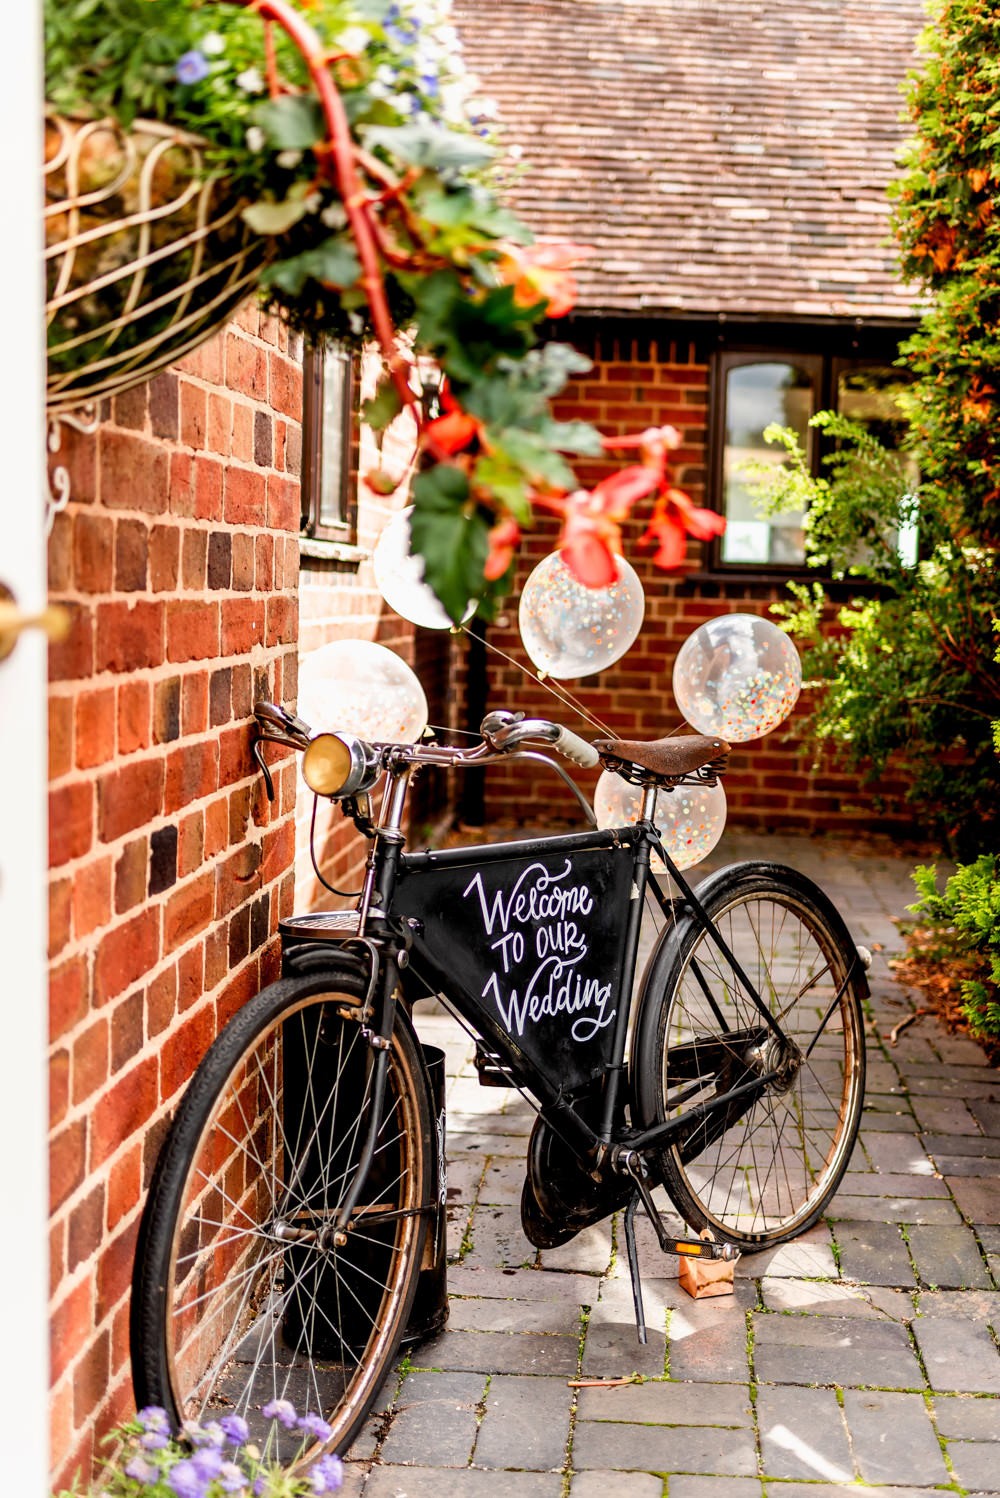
(727, 167)
(731, 184)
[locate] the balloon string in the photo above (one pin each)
(561, 694)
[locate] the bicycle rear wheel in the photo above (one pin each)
(762, 1169)
(242, 1294)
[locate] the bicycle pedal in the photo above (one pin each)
(700, 1248)
(490, 1069)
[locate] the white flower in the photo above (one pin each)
(483, 109)
(289, 159)
(250, 81)
(212, 44)
(255, 138)
(386, 75)
(353, 39)
(334, 216)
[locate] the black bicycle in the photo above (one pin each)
(298, 1194)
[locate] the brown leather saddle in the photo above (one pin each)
(665, 759)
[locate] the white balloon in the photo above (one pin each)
(690, 818)
(399, 577)
(356, 686)
(737, 676)
(569, 629)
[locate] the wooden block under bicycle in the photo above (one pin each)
(704, 1277)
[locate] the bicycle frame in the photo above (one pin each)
(527, 942)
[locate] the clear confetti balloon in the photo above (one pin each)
(355, 686)
(690, 818)
(399, 577)
(572, 630)
(738, 676)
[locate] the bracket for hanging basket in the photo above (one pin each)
(146, 255)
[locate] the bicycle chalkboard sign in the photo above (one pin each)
(536, 937)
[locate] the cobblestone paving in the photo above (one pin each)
(861, 1359)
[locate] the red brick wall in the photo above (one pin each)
(769, 783)
(178, 558)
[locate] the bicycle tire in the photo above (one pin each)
(228, 1311)
(763, 1170)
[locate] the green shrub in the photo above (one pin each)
(965, 921)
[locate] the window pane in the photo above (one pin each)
(756, 396)
(334, 447)
(870, 396)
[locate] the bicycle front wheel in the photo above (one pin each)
(762, 1168)
(244, 1291)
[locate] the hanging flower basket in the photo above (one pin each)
(146, 254)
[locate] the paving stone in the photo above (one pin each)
(664, 1402)
(958, 1355)
(873, 1253)
(961, 1144)
(526, 1424)
(522, 1284)
(612, 1350)
(502, 1182)
(839, 1490)
(976, 1463)
(497, 1352)
(470, 1315)
(977, 1088)
(833, 1350)
(904, 1154)
(435, 1420)
(978, 1200)
(426, 1482)
(685, 1486)
(944, 1116)
(961, 1305)
(802, 1434)
(948, 1257)
(937, 1210)
(589, 1252)
(893, 1438)
(708, 1341)
(876, 1184)
(355, 1476)
(892, 1121)
(831, 1298)
(616, 1485)
(961, 1417)
(664, 1448)
(970, 1165)
(810, 1255)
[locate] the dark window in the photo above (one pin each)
(327, 445)
(753, 390)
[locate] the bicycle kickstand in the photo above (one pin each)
(633, 1267)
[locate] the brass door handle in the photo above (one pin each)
(53, 621)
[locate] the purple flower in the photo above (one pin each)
(154, 1440)
(140, 1470)
(208, 1462)
(152, 1417)
(211, 1434)
(231, 1478)
(191, 67)
(327, 1475)
(315, 1425)
(235, 1429)
(187, 1481)
(283, 1411)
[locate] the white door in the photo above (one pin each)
(23, 1112)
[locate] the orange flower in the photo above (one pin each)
(542, 273)
(452, 432)
(504, 537)
(591, 535)
(674, 519)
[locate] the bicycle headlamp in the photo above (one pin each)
(338, 764)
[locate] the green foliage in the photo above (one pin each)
(440, 247)
(965, 917)
(909, 675)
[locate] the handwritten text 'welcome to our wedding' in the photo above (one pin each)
(537, 922)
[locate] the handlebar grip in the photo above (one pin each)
(578, 750)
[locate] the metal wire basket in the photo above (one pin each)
(146, 254)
